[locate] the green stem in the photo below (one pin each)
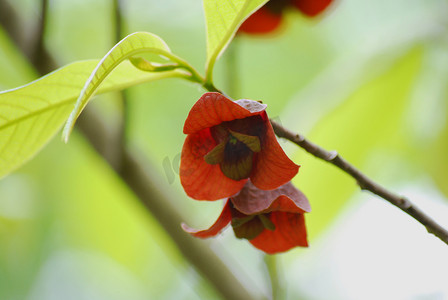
(183, 64)
(193, 75)
(272, 266)
(232, 72)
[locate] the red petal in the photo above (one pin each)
(273, 168)
(290, 231)
(311, 8)
(224, 218)
(260, 22)
(201, 180)
(251, 200)
(213, 109)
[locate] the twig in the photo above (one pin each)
(364, 182)
(35, 52)
(118, 19)
(9, 21)
(39, 55)
(122, 135)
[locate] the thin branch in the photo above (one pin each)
(122, 135)
(363, 181)
(118, 19)
(36, 52)
(9, 21)
(39, 55)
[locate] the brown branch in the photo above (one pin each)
(117, 7)
(33, 48)
(9, 21)
(122, 135)
(363, 181)
(35, 51)
(39, 56)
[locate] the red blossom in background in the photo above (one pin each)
(269, 17)
(273, 221)
(262, 21)
(311, 8)
(227, 143)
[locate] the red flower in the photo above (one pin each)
(311, 8)
(273, 221)
(269, 17)
(262, 21)
(227, 143)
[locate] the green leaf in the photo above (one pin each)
(30, 115)
(133, 44)
(222, 18)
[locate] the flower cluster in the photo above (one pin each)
(269, 17)
(231, 152)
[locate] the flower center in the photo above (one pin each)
(249, 227)
(232, 140)
(238, 141)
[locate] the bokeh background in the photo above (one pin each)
(367, 78)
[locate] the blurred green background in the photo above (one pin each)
(368, 78)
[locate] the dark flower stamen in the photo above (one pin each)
(235, 151)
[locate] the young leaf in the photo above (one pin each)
(133, 44)
(222, 18)
(30, 115)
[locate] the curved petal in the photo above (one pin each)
(290, 231)
(202, 181)
(273, 168)
(286, 204)
(213, 109)
(311, 8)
(224, 218)
(251, 200)
(261, 22)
